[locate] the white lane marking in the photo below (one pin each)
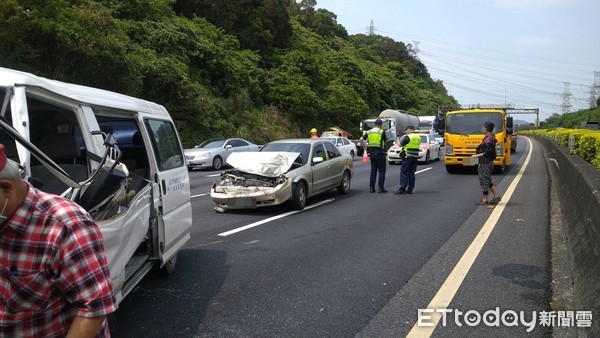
(267, 220)
(199, 195)
(448, 290)
(422, 170)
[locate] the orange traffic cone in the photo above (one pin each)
(365, 157)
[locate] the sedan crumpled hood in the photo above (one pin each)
(270, 164)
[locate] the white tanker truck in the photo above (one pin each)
(394, 123)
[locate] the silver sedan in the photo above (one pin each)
(213, 153)
(285, 170)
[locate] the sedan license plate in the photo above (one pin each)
(246, 202)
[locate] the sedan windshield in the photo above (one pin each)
(471, 123)
(303, 148)
(210, 144)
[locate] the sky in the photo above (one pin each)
(517, 52)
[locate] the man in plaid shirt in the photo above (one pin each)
(54, 278)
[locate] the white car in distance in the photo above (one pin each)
(343, 144)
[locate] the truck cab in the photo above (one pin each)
(117, 156)
(463, 134)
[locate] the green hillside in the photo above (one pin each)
(258, 69)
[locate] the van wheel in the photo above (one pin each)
(217, 163)
(299, 196)
(169, 267)
(344, 186)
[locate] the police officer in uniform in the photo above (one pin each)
(411, 143)
(376, 147)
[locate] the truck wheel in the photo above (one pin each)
(169, 267)
(217, 163)
(344, 186)
(452, 169)
(298, 196)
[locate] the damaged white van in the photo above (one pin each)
(117, 156)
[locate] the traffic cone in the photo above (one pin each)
(365, 157)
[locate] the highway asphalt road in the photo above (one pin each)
(360, 264)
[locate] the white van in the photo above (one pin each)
(117, 156)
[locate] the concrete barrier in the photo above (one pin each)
(578, 190)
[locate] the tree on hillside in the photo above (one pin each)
(258, 24)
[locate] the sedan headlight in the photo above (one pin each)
(202, 155)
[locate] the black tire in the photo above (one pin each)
(344, 186)
(439, 157)
(499, 169)
(452, 169)
(298, 200)
(352, 154)
(217, 163)
(427, 157)
(169, 267)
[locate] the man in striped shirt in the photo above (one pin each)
(54, 278)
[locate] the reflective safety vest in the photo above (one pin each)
(412, 148)
(375, 138)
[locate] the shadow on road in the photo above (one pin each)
(179, 300)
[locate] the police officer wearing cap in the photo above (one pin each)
(376, 140)
(410, 143)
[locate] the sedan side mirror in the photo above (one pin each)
(317, 159)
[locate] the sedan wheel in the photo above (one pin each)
(427, 157)
(344, 186)
(299, 196)
(352, 153)
(217, 163)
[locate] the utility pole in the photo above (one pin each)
(595, 90)
(566, 99)
(416, 50)
(371, 29)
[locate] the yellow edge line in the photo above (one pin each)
(446, 293)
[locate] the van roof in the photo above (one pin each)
(79, 93)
